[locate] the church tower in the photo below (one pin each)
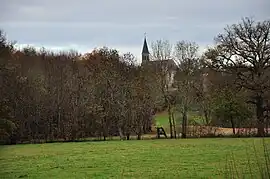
(145, 52)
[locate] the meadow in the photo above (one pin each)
(162, 118)
(174, 158)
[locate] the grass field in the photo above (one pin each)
(190, 158)
(162, 118)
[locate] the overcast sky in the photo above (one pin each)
(121, 24)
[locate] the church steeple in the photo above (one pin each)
(145, 51)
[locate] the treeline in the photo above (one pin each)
(48, 96)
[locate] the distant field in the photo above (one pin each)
(189, 158)
(162, 118)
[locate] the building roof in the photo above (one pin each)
(165, 63)
(145, 47)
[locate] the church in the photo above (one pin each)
(168, 65)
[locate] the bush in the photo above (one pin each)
(7, 128)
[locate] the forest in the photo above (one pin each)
(48, 96)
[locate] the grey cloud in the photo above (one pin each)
(122, 22)
(123, 10)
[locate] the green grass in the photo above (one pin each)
(190, 158)
(163, 118)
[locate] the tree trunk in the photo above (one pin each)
(184, 124)
(139, 134)
(174, 128)
(59, 123)
(50, 131)
(206, 117)
(233, 125)
(267, 116)
(170, 120)
(267, 122)
(104, 132)
(122, 137)
(260, 117)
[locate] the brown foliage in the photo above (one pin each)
(63, 96)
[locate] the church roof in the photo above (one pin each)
(169, 63)
(145, 47)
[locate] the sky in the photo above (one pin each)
(83, 25)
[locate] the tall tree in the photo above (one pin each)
(162, 53)
(186, 78)
(243, 50)
(229, 107)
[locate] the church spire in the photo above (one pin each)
(145, 46)
(145, 51)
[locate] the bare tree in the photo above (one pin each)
(186, 78)
(163, 64)
(243, 50)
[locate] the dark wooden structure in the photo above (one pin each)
(161, 131)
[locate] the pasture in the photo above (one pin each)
(162, 118)
(180, 158)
